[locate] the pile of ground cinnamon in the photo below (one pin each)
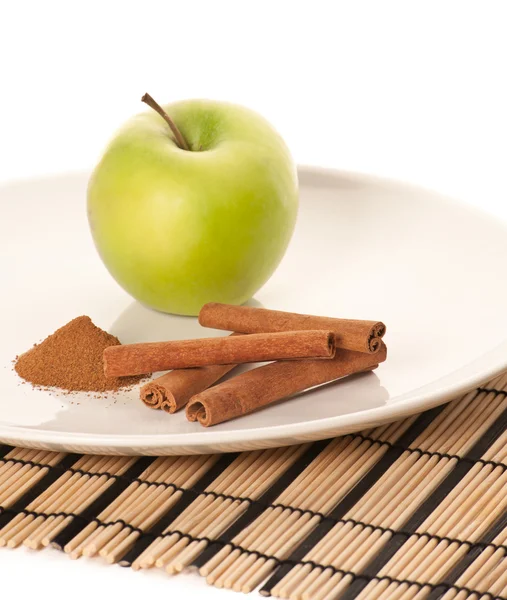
(71, 359)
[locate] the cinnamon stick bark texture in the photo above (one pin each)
(136, 359)
(173, 390)
(261, 386)
(350, 334)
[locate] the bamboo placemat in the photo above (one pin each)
(411, 510)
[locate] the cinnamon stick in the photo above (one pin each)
(350, 334)
(173, 390)
(136, 359)
(261, 386)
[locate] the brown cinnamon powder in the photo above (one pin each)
(71, 359)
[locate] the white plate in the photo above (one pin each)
(430, 268)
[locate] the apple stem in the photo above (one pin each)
(178, 137)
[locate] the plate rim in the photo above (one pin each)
(281, 434)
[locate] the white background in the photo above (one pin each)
(413, 90)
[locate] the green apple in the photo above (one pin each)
(181, 227)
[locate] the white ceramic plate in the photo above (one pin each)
(430, 268)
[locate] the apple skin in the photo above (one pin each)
(179, 228)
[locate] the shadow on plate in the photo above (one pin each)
(137, 323)
(351, 394)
